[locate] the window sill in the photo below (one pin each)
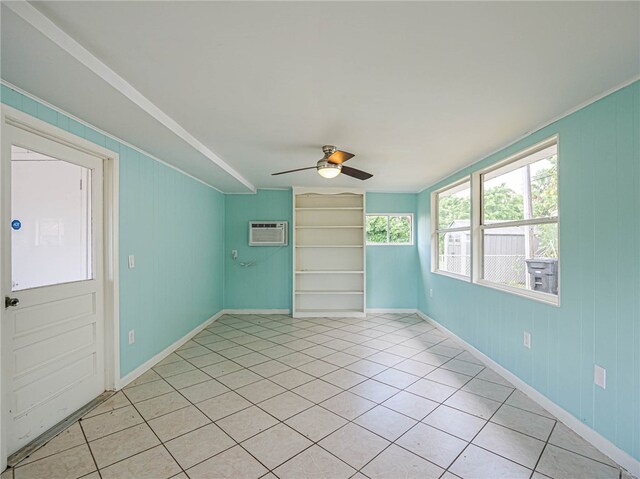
(460, 277)
(546, 298)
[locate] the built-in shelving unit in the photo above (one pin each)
(329, 252)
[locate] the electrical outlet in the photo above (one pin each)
(600, 376)
(527, 340)
(132, 261)
(132, 336)
(234, 254)
(431, 293)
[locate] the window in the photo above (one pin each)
(51, 220)
(390, 229)
(452, 232)
(499, 227)
(519, 222)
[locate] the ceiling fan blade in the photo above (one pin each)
(339, 157)
(292, 171)
(361, 175)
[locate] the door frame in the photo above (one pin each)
(110, 160)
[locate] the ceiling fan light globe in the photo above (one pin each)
(329, 171)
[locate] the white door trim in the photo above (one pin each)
(16, 118)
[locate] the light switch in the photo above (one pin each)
(132, 261)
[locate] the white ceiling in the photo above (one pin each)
(416, 90)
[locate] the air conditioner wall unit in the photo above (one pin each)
(268, 233)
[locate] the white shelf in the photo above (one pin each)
(316, 271)
(329, 246)
(329, 253)
(330, 292)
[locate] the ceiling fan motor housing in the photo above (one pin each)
(328, 150)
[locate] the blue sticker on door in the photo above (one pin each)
(16, 225)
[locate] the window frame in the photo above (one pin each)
(387, 243)
(479, 227)
(435, 231)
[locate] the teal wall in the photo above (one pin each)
(267, 284)
(598, 320)
(184, 275)
(174, 227)
(392, 270)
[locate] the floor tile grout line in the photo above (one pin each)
(158, 437)
(89, 447)
(364, 427)
(114, 432)
(546, 443)
(190, 404)
(79, 422)
(394, 442)
(20, 464)
(476, 435)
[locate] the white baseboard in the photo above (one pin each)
(143, 368)
(256, 311)
(392, 310)
(601, 443)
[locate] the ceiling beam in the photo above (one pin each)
(58, 36)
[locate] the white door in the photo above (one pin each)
(52, 282)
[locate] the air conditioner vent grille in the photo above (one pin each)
(268, 233)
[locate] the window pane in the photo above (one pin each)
(400, 229)
(376, 229)
(51, 220)
(522, 190)
(454, 207)
(522, 256)
(454, 252)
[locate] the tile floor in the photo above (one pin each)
(389, 396)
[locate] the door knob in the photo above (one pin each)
(10, 301)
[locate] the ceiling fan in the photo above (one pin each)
(331, 165)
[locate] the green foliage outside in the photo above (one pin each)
(399, 229)
(501, 203)
(376, 229)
